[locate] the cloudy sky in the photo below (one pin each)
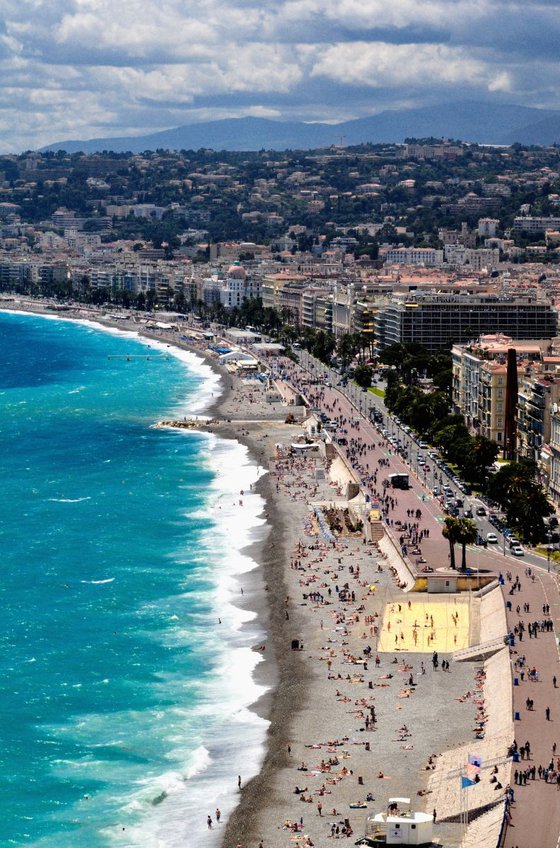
(90, 68)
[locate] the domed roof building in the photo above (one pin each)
(236, 272)
(238, 287)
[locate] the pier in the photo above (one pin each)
(184, 424)
(129, 356)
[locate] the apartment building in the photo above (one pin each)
(477, 260)
(538, 396)
(438, 320)
(529, 224)
(427, 256)
(273, 285)
(554, 448)
(479, 389)
(316, 308)
(488, 227)
(492, 401)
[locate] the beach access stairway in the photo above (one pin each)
(478, 652)
(396, 561)
(444, 783)
(485, 829)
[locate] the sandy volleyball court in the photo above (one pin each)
(421, 626)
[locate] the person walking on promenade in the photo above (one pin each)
(547, 713)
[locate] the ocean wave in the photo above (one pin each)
(201, 759)
(98, 582)
(69, 500)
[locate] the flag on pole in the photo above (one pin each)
(465, 782)
(475, 760)
(471, 771)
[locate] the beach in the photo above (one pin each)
(342, 725)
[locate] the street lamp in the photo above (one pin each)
(548, 550)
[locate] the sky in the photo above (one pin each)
(79, 69)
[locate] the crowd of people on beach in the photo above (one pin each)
(338, 585)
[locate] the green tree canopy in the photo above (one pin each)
(466, 534)
(451, 532)
(515, 488)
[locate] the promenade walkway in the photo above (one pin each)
(535, 819)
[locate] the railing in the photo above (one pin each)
(482, 648)
(504, 826)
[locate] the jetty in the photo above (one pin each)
(129, 356)
(184, 423)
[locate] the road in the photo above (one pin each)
(431, 476)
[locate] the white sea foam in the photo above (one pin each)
(221, 737)
(98, 582)
(200, 761)
(170, 811)
(69, 500)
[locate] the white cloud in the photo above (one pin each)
(76, 68)
(376, 65)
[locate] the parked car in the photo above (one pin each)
(518, 551)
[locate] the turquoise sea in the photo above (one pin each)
(125, 665)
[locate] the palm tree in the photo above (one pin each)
(450, 531)
(467, 534)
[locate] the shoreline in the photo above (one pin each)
(264, 592)
(294, 679)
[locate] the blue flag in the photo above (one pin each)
(465, 781)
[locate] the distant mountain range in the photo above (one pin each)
(468, 121)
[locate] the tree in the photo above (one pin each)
(362, 375)
(348, 347)
(451, 532)
(481, 456)
(523, 500)
(467, 534)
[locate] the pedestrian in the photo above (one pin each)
(209, 822)
(547, 713)
(434, 815)
(239, 781)
(554, 681)
(218, 814)
(319, 808)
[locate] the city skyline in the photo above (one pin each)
(74, 69)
